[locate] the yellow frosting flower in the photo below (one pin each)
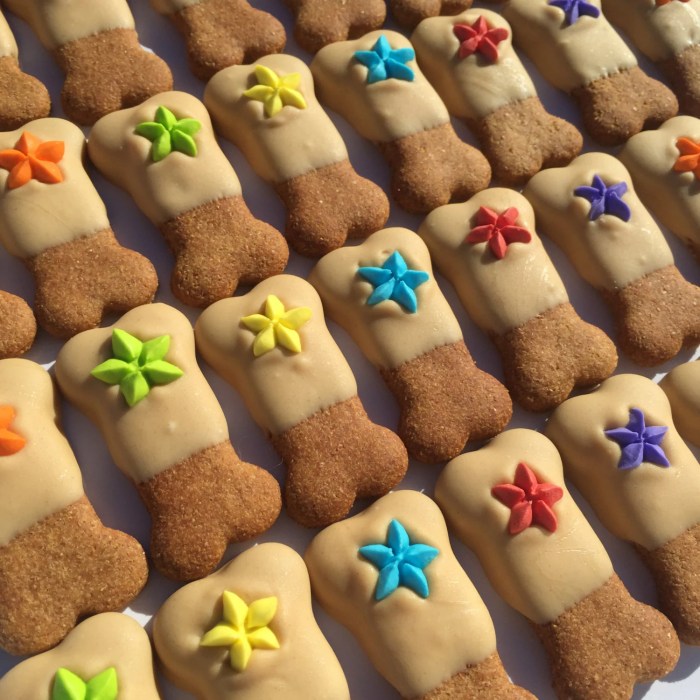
(277, 326)
(276, 91)
(244, 628)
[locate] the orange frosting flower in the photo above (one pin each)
(659, 3)
(689, 159)
(9, 442)
(32, 159)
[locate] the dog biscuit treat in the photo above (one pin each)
(682, 387)
(58, 562)
(17, 326)
(248, 631)
(53, 219)
(140, 383)
(322, 22)
(107, 657)
(408, 13)
(97, 47)
(590, 209)
(22, 96)
(269, 110)
(165, 154)
(470, 61)
(384, 294)
(390, 576)
(273, 346)
(489, 250)
(665, 167)
(508, 502)
(575, 48)
(623, 453)
(668, 33)
(375, 84)
(222, 33)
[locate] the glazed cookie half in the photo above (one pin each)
(682, 387)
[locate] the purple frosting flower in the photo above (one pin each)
(574, 9)
(604, 199)
(639, 443)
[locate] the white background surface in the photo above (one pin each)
(116, 501)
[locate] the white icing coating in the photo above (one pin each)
(682, 386)
(8, 45)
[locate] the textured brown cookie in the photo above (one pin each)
(322, 22)
(17, 326)
(408, 13)
(22, 96)
(222, 33)
(682, 73)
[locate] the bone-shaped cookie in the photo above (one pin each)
(575, 48)
(107, 657)
(58, 562)
(22, 96)
(273, 345)
(508, 502)
(165, 154)
(682, 387)
(665, 167)
(52, 218)
(248, 631)
(668, 33)
(408, 13)
(390, 576)
(323, 22)
(375, 84)
(470, 61)
(489, 250)
(623, 453)
(590, 209)
(270, 112)
(140, 383)
(97, 47)
(222, 33)
(384, 294)
(17, 325)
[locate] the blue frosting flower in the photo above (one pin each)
(383, 62)
(574, 9)
(604, 199)
(393, 280)
(639, 443)
(400, 563)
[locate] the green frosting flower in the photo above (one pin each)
(170, 134)
(68, 686)
(137, 366)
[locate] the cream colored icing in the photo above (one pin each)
(539, 573)
(303, 668)
(472, 87)
(658, 32)
(293, 142)
(568, 56)
(37, 216)
(43, 477)
(384, 111)
(386, 333)
(682, 387)
(56, 22)
(670, 195)
(498, 294)
(608, 253)
(415, 643)
(649, 505)
(179, 182)
(173, 422)
(169, 7)
(100, 642)
(280, 388)
(8, 45)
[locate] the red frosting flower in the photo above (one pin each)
(499, 230)
(689, 159)
(32, 159)
(659, 3)
(478, 37)
(530, 501)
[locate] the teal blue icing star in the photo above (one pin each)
(383, 62)
(393, 280)
(400, 563)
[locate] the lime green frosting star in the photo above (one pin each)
(276, 326)
(276, 91)
(137, 366)
(168, 134)
(68, 686)
(244, 628)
